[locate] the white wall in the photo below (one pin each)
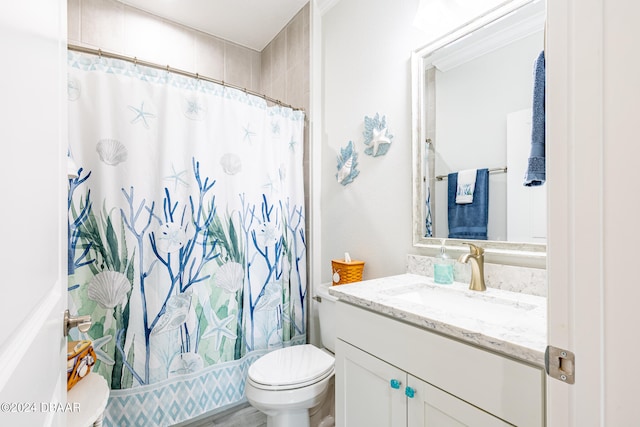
(366, 48)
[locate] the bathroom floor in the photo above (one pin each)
(246, 416)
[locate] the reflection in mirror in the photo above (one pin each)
(473, 93)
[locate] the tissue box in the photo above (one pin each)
(80, 358)
(346, 272)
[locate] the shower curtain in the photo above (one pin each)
(186, 235)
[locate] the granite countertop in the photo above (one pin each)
(511, 323)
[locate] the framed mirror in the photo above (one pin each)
(472, 109)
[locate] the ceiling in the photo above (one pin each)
(250, 23)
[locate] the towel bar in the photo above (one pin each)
(492, 170)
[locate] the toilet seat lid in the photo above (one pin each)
(291, 365)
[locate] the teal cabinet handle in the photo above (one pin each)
(409, 392)
(395, 384)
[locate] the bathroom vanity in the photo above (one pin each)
(412, 353)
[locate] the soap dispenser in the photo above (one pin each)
(443, 267)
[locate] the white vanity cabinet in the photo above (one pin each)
(365, 395)
(377, 394)
(389, 373)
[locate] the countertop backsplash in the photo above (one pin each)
(526, 280)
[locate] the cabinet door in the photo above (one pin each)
(369, 392)
(433, 407)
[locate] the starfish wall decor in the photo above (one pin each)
(376, 136)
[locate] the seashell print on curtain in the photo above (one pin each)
(186, 235)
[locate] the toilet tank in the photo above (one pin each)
(327, 316)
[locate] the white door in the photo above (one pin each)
(369, 391)
(592, 122)
(33, 124)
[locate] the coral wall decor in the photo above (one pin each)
(347, 162)
(376, 136)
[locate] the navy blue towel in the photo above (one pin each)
(469, 221)
(536, 169)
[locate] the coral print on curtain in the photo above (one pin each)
(186, 235)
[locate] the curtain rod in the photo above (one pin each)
(167, 68)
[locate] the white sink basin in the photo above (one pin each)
(459, 298)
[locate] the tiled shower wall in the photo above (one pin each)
(280, 71)
(112, 26)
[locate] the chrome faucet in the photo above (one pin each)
(476, 258)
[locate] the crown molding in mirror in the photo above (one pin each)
(498, 252)
(323, 6)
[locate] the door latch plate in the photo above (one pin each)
(560, 364)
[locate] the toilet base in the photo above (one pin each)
(307, 412)
(288, 419)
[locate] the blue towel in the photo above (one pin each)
(469, 221)
(536, 174)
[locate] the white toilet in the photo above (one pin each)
(287, 383)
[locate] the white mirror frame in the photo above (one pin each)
(501, 252)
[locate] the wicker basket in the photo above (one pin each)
(346, 272)
(80, 358)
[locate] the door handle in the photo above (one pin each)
(83, 323)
